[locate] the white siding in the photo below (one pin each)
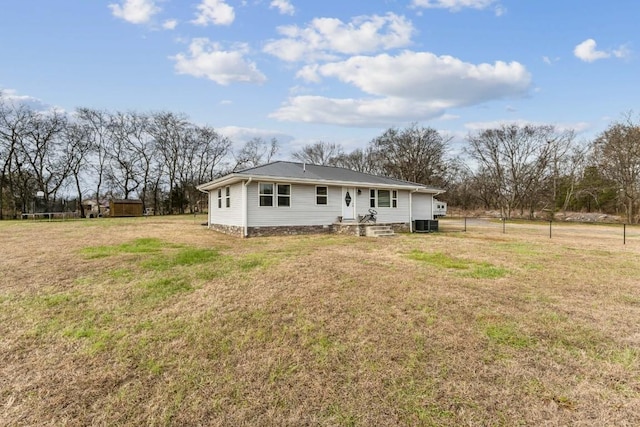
(398, 214)
(226, 215)
(303, 209)
(422, 206)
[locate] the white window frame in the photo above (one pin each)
(275, 196)
(388, 191)
(219, 198)
(261, 194)
(374, 198)
(326, 195)
(227, 196)
(278, 195)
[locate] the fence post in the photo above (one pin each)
(624, 234)
(550, 222)
(504, 225)
(465, 224)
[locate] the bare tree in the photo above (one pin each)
(616, 151)
(415, 154)
(516, 161)
(170, 132)
(126, 161)
(255, 152)
(204, 151)
(98, 125)
(320, 153)
(462, 190)
(76, 151)
(361, 160)
(14, 123)
(572, 169)
(40, 152)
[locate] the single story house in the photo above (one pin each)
(291, 198)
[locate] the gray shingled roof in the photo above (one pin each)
(326, 173)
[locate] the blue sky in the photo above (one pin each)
(334, 71)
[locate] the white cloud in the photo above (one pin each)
(284, 6)
(622, 52)
(208, 59)
(588, 52)
(578, 127)
(500, 10)
(356, 112)
(447, 117)
(323, 38)
(550, 61)
(457, 5)
(170, 24)
(423, 86)
(135, 11)
(239, 135)
(215, 12)
(12, 97)
(423, 75)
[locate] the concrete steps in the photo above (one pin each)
(379, 231)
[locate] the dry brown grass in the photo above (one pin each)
(163, 322)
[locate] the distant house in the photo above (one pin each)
(291, 198)
(125, 207)
(93, 208)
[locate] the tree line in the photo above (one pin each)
(512, 168)
(161, 157)
(50, 159)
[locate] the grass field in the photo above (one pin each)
(159, 321)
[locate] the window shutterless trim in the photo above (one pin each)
(283, 196)
(266, 196)
(276, 197)
(324, 196)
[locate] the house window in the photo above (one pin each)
(284, 194)
(228, 196)
(266, 194)
(219, 198)
(322, 194)
(384, 198)
(372, 198)
(394, 199)
(274, 194)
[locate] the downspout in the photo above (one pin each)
(209, 209)
(245, 210)
(411, 210)
(433, 201)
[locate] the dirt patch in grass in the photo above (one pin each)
(163, 322)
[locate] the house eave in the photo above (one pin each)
(235, 177)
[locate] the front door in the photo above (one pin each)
(348, 203)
